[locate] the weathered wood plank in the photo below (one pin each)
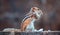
(30, 33)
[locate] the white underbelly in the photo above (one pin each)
(31, 26)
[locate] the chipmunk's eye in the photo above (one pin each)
(38, 9)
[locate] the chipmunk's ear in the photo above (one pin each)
(33, 9)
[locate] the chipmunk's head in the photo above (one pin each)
(36, 11)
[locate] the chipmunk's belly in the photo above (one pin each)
(31, 26)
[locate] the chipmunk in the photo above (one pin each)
(28, 22)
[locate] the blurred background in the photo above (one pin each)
(13, 11)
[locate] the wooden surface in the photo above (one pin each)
(31, 33)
